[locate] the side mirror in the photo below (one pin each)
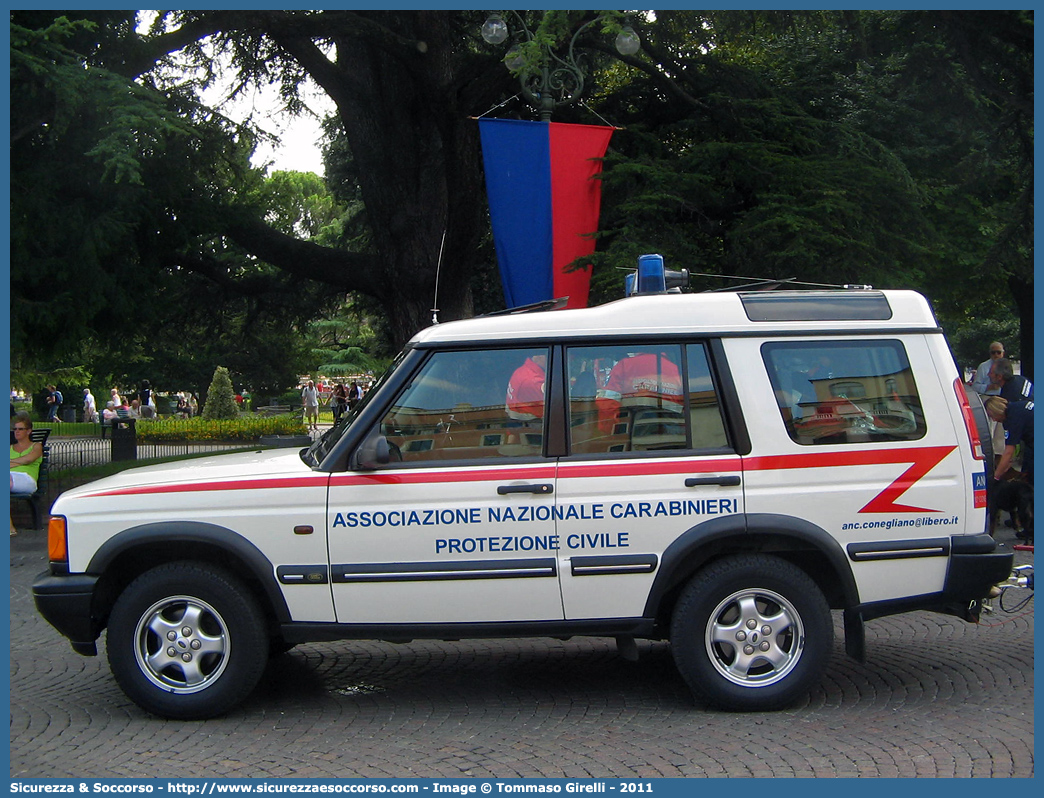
(372, 453)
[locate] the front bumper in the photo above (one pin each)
(66, 602)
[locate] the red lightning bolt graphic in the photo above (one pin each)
(923, 460)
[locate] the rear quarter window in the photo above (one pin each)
(844, 392)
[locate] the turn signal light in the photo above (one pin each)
(57, 545)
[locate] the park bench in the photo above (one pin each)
(123, 415)
(37, 500)
(275, 410)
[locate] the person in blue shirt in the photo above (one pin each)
(1017, 418)
(1014, 387)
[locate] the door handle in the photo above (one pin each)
(730, 481)
(541, 489)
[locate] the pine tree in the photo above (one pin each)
(221, 398)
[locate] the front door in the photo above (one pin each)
(460, 526)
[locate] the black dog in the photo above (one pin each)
(1015, 497)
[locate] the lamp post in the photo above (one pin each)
(559, 79)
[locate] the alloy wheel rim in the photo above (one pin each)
(181, 644)
(755, 637)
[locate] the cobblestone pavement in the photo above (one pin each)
(937, 697)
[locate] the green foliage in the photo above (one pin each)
(65, 378)
(970, 338)
(57, 90)
(119, 194)
(890, 148)
(221, 398)
(554, 31)
(299, 203)
(341, 344)
(69, 429)
(245, 428)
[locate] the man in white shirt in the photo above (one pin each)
(310, 400)
(983, 382)
(90, 409)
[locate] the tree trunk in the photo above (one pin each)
(418, 161)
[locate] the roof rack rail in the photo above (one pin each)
(652, 278)
(535, 307)
(772, 283)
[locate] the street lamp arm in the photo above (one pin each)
(573, 40)
(549, 80)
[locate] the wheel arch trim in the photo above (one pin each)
(748, 528)
(190, 532)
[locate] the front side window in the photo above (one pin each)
(470, 405)
(633, 398)
(834, 392)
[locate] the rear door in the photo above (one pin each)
(649, 460)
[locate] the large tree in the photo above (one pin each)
(753, 140)
(404, 85)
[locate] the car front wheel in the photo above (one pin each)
(187, 640)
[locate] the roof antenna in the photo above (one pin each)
(438, 268)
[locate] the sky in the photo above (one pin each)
(298, 148)
(298, 145)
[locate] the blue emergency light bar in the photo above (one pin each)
(652, 278)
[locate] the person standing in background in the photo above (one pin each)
(985, 383)
(310, 400)
(54, 403)
(90, 409)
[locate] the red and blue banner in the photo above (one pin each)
(544, 201)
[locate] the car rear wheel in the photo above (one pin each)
(751, 632)
(187, 640)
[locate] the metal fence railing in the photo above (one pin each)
(72, 453)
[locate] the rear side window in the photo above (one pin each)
(842, 392)
(634, 398)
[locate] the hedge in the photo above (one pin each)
(245, 428)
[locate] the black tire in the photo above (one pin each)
(187, 641)
(751, 633)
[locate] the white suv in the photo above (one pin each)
(720, 470)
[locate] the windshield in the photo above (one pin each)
(315, 453)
